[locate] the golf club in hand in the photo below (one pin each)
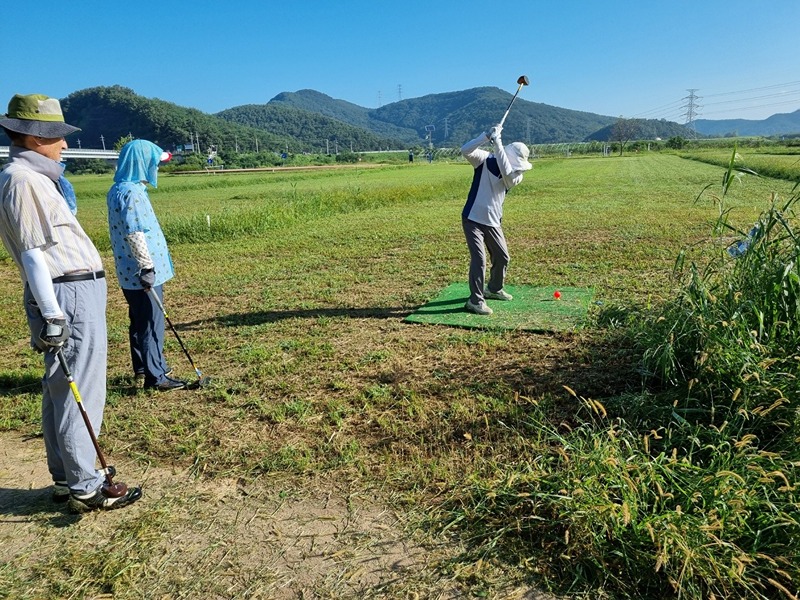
(110, 489)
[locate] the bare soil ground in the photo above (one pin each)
(223, 538)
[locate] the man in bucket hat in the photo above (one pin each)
(495, 174)
(64, 296)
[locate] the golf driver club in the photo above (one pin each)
(201, 380)
(522, 81)
(109, 489)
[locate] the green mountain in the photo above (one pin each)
(645, 129)
(346, 112)
(309, 121)
(450, 119)
(780, 124)
(311, 131)
(106, 114)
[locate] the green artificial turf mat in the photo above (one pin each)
(532, 309)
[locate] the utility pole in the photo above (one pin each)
(446, 123)
(528, 130)
(692, 109)
(103, 141)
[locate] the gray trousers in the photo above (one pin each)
(70, 453)
(492, 238)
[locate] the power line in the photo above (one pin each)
(739, 108)
(789, 94)
(768, 87)
(659, 110)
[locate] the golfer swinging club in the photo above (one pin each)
(495, 174)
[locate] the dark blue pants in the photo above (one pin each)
(146, 335)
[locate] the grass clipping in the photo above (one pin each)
(533, 308)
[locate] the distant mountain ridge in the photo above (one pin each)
(450, 119)
(344, 111)
(778, 124)
(310, 121)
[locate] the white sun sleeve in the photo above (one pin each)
(38, 276)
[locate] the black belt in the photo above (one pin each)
(79, 277)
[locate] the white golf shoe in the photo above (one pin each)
(498, 295)
(479, 309)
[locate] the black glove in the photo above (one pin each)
(147, 278)
(54, 333)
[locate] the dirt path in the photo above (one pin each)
(221, 538)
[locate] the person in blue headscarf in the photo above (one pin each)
(142, 260)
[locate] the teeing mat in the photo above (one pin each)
(532, 309)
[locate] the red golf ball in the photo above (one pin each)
(557, 295)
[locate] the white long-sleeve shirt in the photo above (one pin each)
(493, 177)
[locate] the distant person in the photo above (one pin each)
(142, 260)
(64, 296)
(411, 156)
(495, 174)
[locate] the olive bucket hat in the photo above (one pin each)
(36, 115)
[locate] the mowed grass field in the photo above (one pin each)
(326, 409)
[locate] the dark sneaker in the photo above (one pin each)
(97, 500)
(167, 385)
(60, 492)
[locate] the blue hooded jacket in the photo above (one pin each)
(130, 211)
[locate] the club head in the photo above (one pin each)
(198, 383)
(523, 80)
(115, 490)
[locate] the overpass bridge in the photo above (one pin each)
(77, 153)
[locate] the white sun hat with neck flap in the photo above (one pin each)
(518, 154)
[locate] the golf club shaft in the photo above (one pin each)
(160, 305)
(73, 386)
(503, 120)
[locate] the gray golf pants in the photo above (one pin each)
(492, 238)
(70, 452)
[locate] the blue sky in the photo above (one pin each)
(631, 58)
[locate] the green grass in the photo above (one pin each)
(294, 303)
(773, 162)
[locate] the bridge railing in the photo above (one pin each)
(77, 153)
